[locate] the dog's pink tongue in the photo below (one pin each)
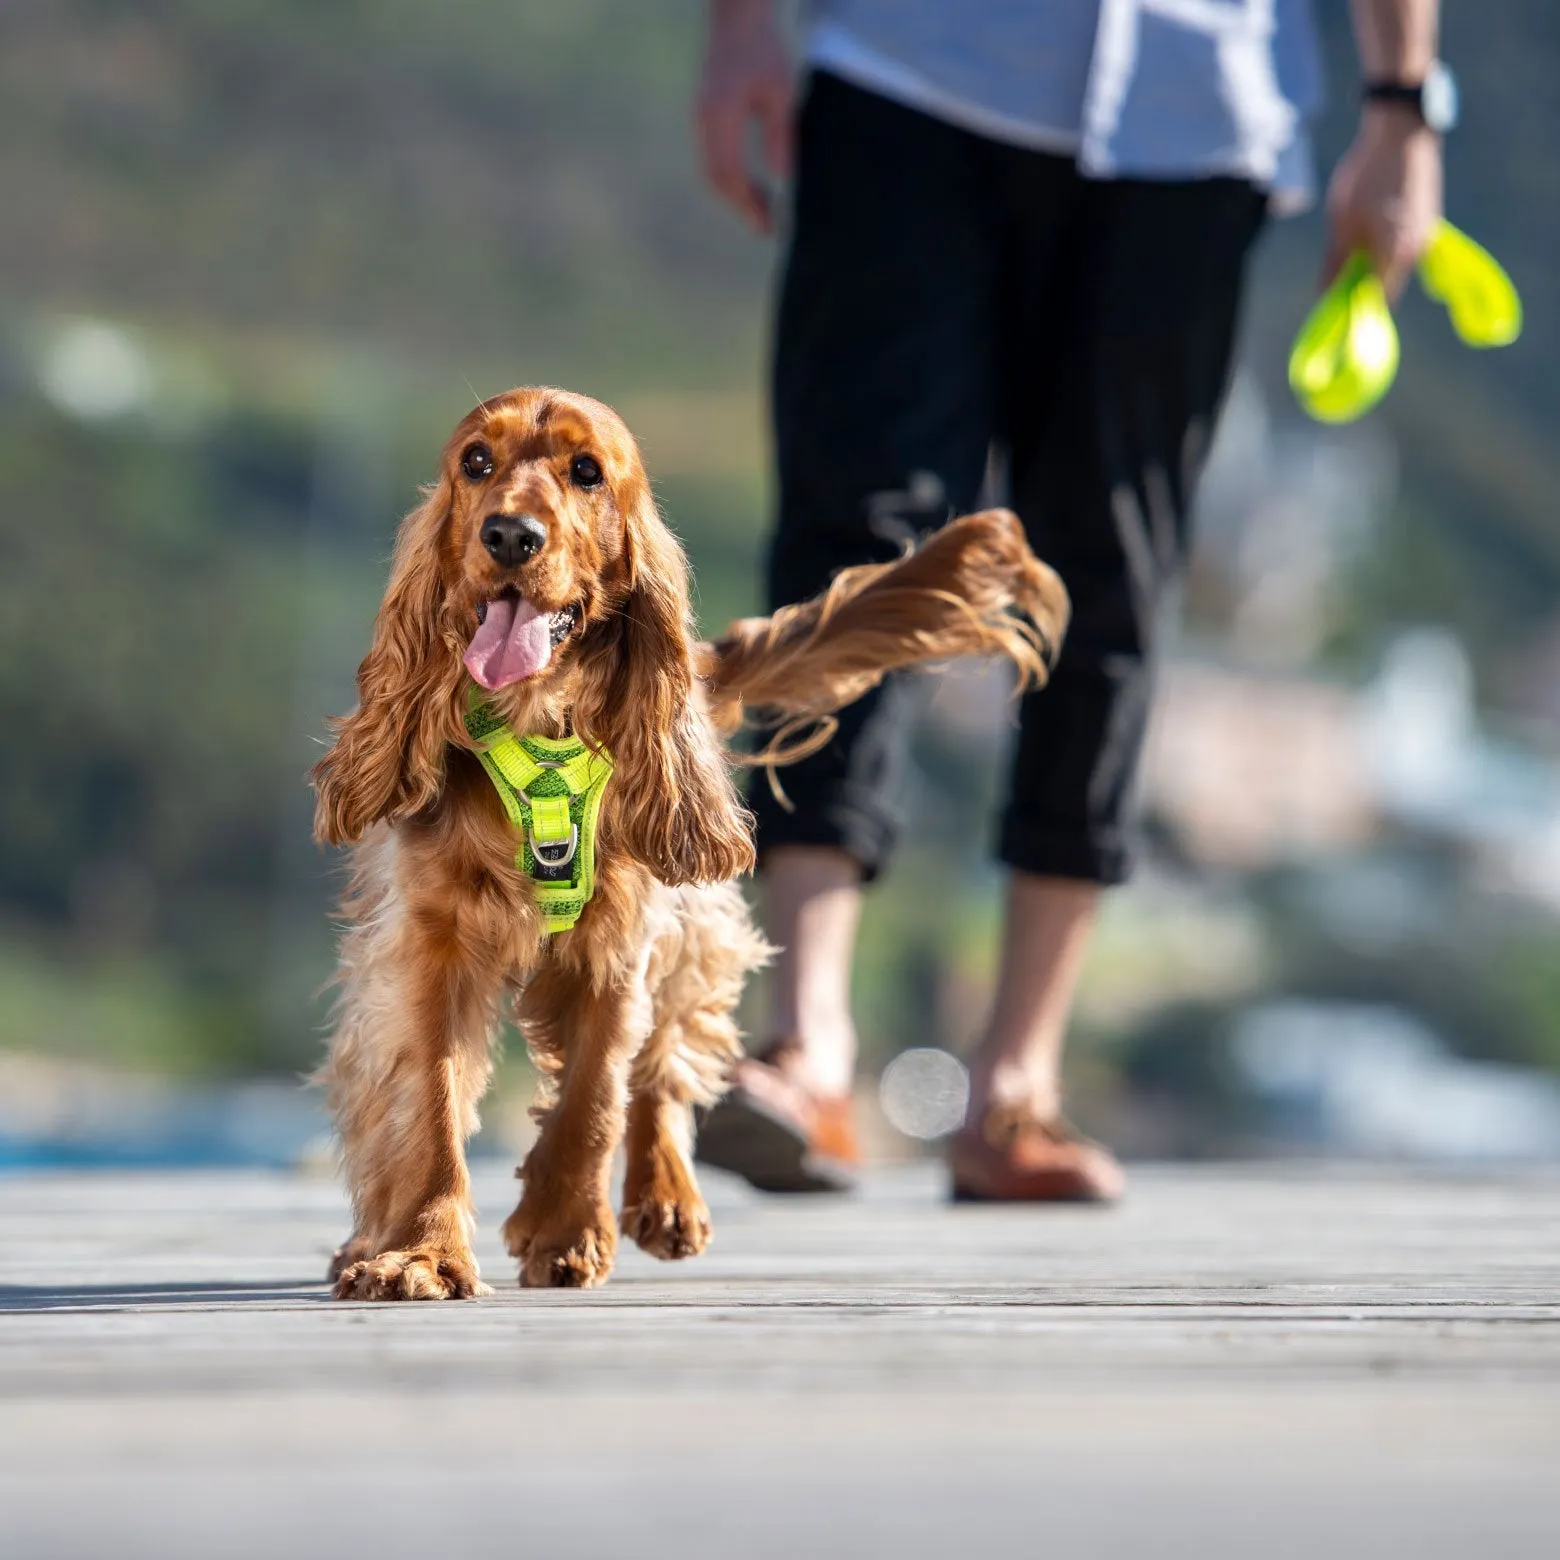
(513, 641)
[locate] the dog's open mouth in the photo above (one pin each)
(513, 640)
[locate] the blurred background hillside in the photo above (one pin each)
(255, 261)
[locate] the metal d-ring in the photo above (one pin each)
(568, 847)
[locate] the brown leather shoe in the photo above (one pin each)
(776, 1133)
(1015, 1156)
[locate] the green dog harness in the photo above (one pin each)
(551, 788)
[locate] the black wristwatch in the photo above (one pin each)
(1434, 99)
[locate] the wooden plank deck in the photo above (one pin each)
(1240, 1360)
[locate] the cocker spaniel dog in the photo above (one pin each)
(543, 813)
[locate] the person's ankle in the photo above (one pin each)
(821, 1057)
(1009, 1086)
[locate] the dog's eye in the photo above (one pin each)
(477, 462)
(585, 471)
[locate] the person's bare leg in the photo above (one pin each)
(812, 902)
(787, 1124)
(1015, 1145)
(1045, 937)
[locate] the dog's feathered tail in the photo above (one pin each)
(973, 588)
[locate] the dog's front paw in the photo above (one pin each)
(423, 1273)
(668, 1227)
(348, 1252)
(562, 1252)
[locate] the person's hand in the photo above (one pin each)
(1385, 196)
(747, 79)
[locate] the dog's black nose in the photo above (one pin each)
(513, 538)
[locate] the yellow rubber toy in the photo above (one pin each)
(1346, 354)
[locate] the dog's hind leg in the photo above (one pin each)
(407, 1065)
(664, 1212)
(697, 974)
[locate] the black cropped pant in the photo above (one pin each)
(946, 295)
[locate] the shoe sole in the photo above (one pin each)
(967, 1194)
(765, 1149)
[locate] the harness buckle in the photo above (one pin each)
(555, 854)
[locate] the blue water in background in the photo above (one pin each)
(269, 1124)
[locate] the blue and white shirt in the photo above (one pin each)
(1149, 89)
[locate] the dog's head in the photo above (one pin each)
(548, 520)
(540, 570)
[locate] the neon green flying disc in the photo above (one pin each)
(1480, 299)
(1345, 356)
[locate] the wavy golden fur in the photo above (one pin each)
(629, 1015)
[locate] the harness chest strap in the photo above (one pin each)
(551, 788)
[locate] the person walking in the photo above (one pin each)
(1019, 227)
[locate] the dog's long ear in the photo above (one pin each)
(671, 803)
(388, 757)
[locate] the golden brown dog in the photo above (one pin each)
(539, 569)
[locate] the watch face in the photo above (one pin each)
(1438, 99)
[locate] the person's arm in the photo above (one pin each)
(746, 79)
(1385, 194)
